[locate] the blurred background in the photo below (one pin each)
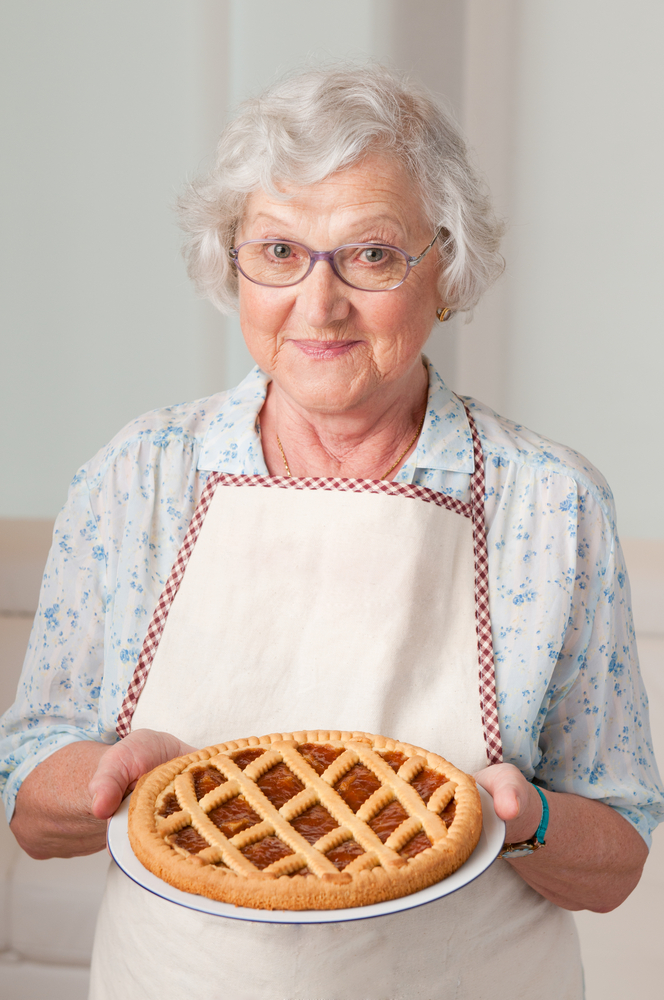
(108, 106)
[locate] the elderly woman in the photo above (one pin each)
(338, 507)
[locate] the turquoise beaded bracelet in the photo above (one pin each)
(544, 822)
(527, 847)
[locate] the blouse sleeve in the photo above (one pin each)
(595, 735)
(58, 694)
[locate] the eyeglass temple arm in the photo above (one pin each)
(415, 260)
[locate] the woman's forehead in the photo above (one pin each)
(376, 192)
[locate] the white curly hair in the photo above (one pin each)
(313, 123)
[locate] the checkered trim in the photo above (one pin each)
(347, 486)
(160, 614)
(474, 510)
(488, 701)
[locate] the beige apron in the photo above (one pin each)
(334, 604)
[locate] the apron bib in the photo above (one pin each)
(334, 604)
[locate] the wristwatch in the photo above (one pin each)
(524, 848)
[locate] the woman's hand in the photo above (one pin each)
(64, 804)
(593, 857)
(122, 765)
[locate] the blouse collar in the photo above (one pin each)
(233, 444)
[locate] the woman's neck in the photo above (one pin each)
(370, 442)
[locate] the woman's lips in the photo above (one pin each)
(325, 349)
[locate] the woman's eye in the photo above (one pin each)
(281, 251)
(373, 255)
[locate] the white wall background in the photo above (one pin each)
(108, 106)
(586, 252)
(100, 123)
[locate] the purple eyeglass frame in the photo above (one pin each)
(329, 255)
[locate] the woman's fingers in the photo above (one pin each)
(106, 789)
(514, 799)
(123, 764)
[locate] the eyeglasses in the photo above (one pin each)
(370, 267)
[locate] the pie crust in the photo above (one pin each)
(305, 821)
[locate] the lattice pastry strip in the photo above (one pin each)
(272, 823)
(307, 820)
(335, 805)
(259, 802)
(432, 824)
(200, 821)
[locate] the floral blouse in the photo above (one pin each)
(572, 708)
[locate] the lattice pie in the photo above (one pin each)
(305, 821)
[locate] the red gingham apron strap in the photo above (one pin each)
(161, 611)
(488, 702)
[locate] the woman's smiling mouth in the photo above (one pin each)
(325, 349)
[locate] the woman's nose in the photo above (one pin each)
(322, 296)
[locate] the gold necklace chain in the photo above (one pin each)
(283, 455)
(406, 449)
(385, 474)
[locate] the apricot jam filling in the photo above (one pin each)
(234, 816)
(388, 819)
(190, 840)
(245, 757)
(319, 756)
(394, 758)
(266, 851)
(344, 854)
(170, 805)
(279, 784)
(314, 823)
(427, 781)
(357, 785)
(448, 813)
(418, 843)
(206, 779)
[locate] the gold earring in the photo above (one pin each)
(443, 314)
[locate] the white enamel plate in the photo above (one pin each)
(490, 843)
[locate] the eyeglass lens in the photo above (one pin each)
(371, 268)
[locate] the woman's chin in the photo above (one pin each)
(326, 379)
(328, 389)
